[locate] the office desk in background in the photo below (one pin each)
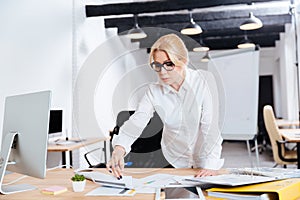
(64, 148)
(61, 177)
(287, 123)
(292, 135)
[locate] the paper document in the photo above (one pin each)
(65, 142)
(150, 183)
(278, 173)
(111, 191)
(232, 179)
(108, 180)
(156, 180)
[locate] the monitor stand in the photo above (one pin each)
(4, 155)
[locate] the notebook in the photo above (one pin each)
(54, 190)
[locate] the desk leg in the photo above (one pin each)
(298, 154)
(63, 159)
(71, 158)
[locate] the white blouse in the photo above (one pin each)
(191, 136)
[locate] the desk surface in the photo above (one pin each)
(284, 122)
(75, 145)
(292, 135)
(62, 177)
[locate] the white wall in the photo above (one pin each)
(285, 75)
(266, 61)
(36, 51)
(101, 59)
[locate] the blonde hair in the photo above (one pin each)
(173, 46)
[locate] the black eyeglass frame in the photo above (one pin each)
(167, 65)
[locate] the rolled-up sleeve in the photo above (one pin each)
(133, 127)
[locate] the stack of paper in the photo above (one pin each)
(108, 180)
(150, 183)
(110, 185)
(232, 179)
(278, 173)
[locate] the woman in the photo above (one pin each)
(182, 99)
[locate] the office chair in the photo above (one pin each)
(281, 155)
(146, 150)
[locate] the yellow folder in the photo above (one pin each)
(287, 189)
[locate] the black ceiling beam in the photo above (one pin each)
(197, 16)
(220, 27)
(159, 6)
(231, 43)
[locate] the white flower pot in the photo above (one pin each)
(78, 186)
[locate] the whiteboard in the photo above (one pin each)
(237, 77)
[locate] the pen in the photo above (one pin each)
(125, 164)
(116, 187)
(128, 164)
(149, 182)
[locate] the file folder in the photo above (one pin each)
(286, 189)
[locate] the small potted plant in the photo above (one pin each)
(78, 183)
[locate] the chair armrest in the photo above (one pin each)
(280, 144)
(86, 158)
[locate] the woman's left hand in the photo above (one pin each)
(206, 172)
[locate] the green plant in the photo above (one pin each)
(78, 177)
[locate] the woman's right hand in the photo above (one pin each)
(116, 163)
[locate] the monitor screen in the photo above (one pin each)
(25, 137)
(55, 122)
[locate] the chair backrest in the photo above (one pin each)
(273, 132)
(146, 150)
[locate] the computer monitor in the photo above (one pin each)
(55, 124)
(25, 138)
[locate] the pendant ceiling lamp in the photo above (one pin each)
(245, 43)
(251, 23)
(201, 47)
(192, 28)
(136, 32)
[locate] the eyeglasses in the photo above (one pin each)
(167, 65)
